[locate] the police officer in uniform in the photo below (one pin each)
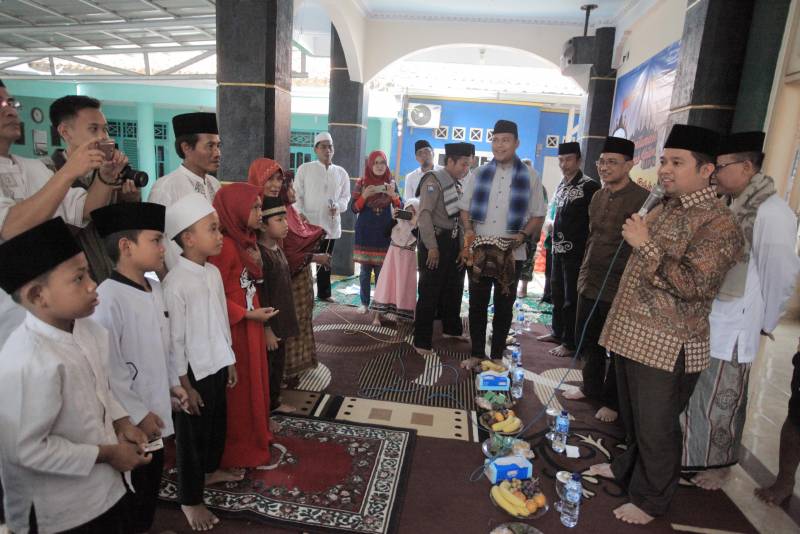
(439, 247)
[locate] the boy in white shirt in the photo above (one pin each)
(65, 440)
(132, 309)
(201, 353)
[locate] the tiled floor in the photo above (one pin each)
(766, 412)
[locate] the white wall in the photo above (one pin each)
(651, 31)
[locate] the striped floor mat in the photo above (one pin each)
(442, 383)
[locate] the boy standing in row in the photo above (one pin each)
(65, 439)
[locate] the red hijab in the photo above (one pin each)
(380, 200)
(303, 238)
(261, 170)
(233, 204)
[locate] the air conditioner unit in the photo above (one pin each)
(424, 115)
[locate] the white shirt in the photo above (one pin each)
(317, 188)
(55, 409)
(200, 334)
(412, 181)
(496, 221)
(172, 187)
(771, 276)
(20, 179)
(138, 327)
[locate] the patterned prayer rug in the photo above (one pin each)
(444, 423)
(336, 477)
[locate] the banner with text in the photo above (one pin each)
(641, 108)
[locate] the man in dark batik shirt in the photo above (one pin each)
(570, 232)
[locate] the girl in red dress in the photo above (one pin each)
(249, 436)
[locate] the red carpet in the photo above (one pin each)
(336, 477)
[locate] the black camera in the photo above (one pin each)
(139, 178)
(404, 215)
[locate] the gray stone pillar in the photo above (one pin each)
(347, 123)
(597, 115)
(254, 82)
(710, 66)
(761, 58)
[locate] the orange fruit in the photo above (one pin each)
(531, 505)
(540, 499)
(520, 495)
(498, 417)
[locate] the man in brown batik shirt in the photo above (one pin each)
(619, 198)
(658, 325)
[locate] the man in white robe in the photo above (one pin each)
(749, 304)
(323, 193)
(198, 145)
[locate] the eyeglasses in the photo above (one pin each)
(10, 103)
(721, 166)
(607, 162)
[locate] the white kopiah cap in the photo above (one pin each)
(323, 136)
(185, 213)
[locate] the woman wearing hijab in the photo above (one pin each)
(249, 436)
(373, 198)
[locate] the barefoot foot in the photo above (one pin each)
(224, 475)
(423, 352)
(711, 479)
(562, 351)
(469, 363)
(600, 470)
(549, 338)
(606, 415)
(630, 513)
(285, 408)
(776, 494)
(199, 517)
(574, 394)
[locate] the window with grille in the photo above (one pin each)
(125, 134)
(160, 131)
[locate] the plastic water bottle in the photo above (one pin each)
(571, 505)
(517, 381)
(516, 356)
(559, 442)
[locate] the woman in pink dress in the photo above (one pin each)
(396, 290)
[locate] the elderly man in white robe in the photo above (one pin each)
(749, 305)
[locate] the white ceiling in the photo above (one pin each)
(554, 11)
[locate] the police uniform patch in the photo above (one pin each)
(431, 189)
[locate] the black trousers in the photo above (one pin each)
(115, 520)
(651, 401)
(548, 267)
(599, 373)
(146, 482)
(439, 288)
(200, 439)
(564, 293)
(323, 274)
(277, 362)
(480, 293)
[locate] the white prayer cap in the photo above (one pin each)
(322, 136)
(185, 213)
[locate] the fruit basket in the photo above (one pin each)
(521, 499)
(515, 528)
(503, 421)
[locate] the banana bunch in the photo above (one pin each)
(509, 502)
(489, 365)
(511, 424)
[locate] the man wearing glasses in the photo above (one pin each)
(749, 304)
(570, 230)
(610, 207)
(30, 193)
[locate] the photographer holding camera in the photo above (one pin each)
(79, 120)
